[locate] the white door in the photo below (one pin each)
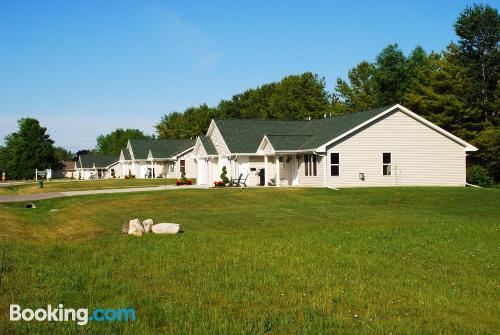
(202, 176)
(243, 166)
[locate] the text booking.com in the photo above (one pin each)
(81, 315)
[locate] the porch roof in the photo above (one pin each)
(91, 161)
(288, 142)
(160, 148)
(208, 145)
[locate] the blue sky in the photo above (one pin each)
(84, 68)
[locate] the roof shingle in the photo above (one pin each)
(245, 135)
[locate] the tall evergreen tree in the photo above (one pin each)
(361, 92)
(27, 149)
(391, 75)
(478, 29)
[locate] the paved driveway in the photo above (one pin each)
(50, 195)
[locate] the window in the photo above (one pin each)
(172, 167)
(183, 166)
(311, 165)
(386, 163)
(334, 164)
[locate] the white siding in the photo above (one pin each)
(219, 143)
(214, 170)
(190, 165)
(420, 156)
(257, 163)
(313, 181)
(268, 148)
(200, 152)
(286, 170)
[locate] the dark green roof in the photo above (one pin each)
(160, 148)
(208, 145)
(126, 154)
(99, 161)
(245, 135)
(288, 142)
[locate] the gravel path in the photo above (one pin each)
(50, 195)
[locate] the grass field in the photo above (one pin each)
(255, 261)
(79, 185)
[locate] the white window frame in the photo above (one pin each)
(182, 166)
(385, 164)
(334, 164)
(313, 167)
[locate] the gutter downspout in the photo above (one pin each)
(324, 166)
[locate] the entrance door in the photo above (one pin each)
(243, 166)
(202, 176)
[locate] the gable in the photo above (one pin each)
(218, 140)
(396, 129)
(245, 135)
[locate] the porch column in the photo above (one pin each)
(266, 172)
(294, 170)
(278, 179)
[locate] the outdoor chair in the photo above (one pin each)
(236, 181)
(244, 182)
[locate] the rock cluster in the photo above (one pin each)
(136, 228)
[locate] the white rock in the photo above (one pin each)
(167, 228)
(134, 226)
(147, 225)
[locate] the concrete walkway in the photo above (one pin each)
(51, 195)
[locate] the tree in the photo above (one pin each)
(112, 143)
(193, 122)
(62, 154)
(360, 93)
(436, 87)
(298, 97)
(478, 29)
(391, 75)
(253, 103)
(27, 149)
(294, 97)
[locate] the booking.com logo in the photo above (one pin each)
(80, 316)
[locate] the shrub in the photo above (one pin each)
(223, 175)
(478, 175)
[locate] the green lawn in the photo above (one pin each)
(255, 261)
(79, 185)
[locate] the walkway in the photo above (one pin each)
(51, 195)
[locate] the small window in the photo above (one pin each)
(311, 165)
(334, 164)
(172, 167)
(183, 166)
(386, 163)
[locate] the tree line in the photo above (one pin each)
(456, 88)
